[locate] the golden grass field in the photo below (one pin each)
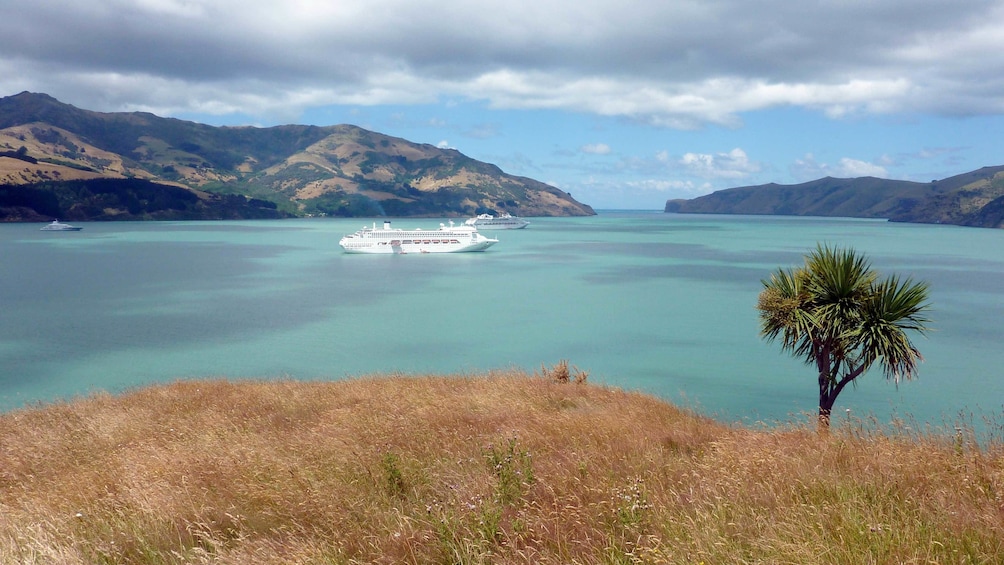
(503, 467)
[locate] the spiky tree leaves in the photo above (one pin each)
(837, 315)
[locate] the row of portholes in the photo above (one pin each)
(419, 242)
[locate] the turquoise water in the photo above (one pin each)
(646, 301)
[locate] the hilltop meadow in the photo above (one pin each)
(502, 467)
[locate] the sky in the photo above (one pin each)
(625, 104)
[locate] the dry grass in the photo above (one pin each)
(497, 468)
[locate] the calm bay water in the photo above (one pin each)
(646, 301)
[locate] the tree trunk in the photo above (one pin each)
(829, 391)
(826, 399)
(825, 407)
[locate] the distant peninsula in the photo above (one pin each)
(57, 160)
(973, 199)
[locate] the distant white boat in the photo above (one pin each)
(56, 226)
(501, 222)
(451, 239)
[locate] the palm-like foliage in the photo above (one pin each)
(836, 314)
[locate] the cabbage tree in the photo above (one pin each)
(837, 315)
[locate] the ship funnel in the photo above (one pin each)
(386, 224)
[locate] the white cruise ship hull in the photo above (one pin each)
(57, 226)
(397, 241)
(501, 225)
(504, 222)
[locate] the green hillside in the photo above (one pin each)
(300, 170)
(971, 199)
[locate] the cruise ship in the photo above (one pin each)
(501, 222)
(56, 225)
(446, 239)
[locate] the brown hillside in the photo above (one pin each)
(336, 170)
(500, 468)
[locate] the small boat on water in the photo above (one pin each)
(500, 222)
(446, 239)
(57, 226)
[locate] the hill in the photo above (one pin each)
(338, 170)
(499, 468)
(971, 199)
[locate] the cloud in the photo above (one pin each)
(855, 168)
(481, 131)
(675, 187)
(606, 193)
(662, 174)
(680, 65)
(808, 168)
(596, 149)
(172, 8)
(732, 165)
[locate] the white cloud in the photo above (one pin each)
(808, 168)
(670, 64)
(732, 165)
(604, 193)
(855, 168)
(596, 149)
(676, 187)
(173, 8)
(481, 131)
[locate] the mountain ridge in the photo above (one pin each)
(340, 170)
(974, 198)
